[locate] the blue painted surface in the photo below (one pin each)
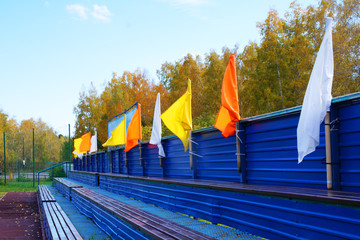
(271, 155)
(115, 163)
(133, 158)
(123, 162)
(99, 157)
(270, 148)
(105, 162)
(88, 163)
(270, 217)
(108, 222)
(92, 163)
(177, 161)
(151, 160)
(349, 146)
(88, 178)
(84, 225)
(218, 161)
(216, 231)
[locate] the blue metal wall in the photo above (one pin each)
(349, 146)
(133, 161)
(218, 156)
(270, 148)
(151, 160)
(115, 161)
(98, 162)
(271, 154)
(123, 162)
(177, 161)
(93, 162)
(267, 216)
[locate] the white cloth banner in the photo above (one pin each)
(93, 146)
(156, 129)
(317, 98)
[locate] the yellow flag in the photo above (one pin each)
(178, 117)
(77, 143)
(118, 135)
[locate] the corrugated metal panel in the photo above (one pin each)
(218, 161)
(271, 217)
(94, 162)
(150, 156)
(133, 158)
(75, 164)
(109, 223)
(115, 163)
(123, 167)
(83, 164)
(105, 162)
(177, 161)
(271, 155)
(99, 162)
(87, 163)
(349, 147)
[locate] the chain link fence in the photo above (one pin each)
(26, 152)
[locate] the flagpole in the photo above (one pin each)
(238, 151)
(190, 150)
(328, 152)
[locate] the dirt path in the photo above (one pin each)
(19, 216)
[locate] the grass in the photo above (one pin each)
(13, 186)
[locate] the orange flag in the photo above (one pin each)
(229, 111)
(134, 130)
(85, 143)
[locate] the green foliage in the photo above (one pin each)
(64, 152)
(272, 74)
(58, 172)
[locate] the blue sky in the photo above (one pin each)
(51, 50)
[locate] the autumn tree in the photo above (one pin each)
(272, 73)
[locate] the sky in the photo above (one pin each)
(52, 50)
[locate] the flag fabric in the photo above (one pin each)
(317, 99)
(177, 117)
(156, 128)
(229, 110)
(77, 142)
(85, 143)
(133, 129)
(118, 135)
(93, 147)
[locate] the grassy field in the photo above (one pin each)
(19, 187)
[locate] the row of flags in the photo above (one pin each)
(178, 120)
(128, 131)
(85, 143)
(126, 128)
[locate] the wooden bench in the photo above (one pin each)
(64, 186)
(67, 183)
(56, 223)
(45, 195)
(150, 224)
(320, 195)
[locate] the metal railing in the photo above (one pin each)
(52, 167)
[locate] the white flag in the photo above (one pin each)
(317, 98)
(93, 146)
(156, 129)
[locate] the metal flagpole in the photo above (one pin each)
(33, 152)
(69, 148)
(4, 159)
(238, 152)
(328, 152)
